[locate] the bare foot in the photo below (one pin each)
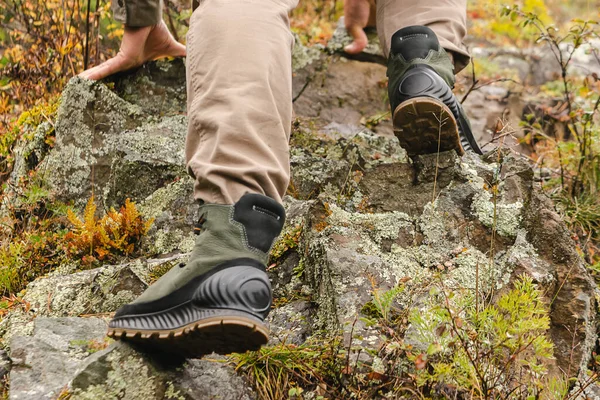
(138, 46)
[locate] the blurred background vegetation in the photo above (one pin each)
(43, 43)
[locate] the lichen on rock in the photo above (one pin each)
(129, 377)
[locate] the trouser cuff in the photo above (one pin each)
(137, 13)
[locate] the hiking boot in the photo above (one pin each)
(219, 299)
(427, 116)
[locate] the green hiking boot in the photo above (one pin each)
(218, 301)
(427, 116)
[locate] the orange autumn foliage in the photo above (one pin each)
(116, 233)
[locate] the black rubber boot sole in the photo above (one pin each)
(425, 125)
(220, 311)
(217, 331)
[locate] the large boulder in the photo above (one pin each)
(119, 143)
(422, 223)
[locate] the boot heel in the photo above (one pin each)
(241, 288)
(424, 125)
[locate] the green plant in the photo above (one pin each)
(485, 23)
(93, 345)
(158, 271)
(4, 387)
(31, 231)
(567, 134)
(28, 256)
(381, 308)
(24, 128)
(288, 241)
(500, 351)
(578, 161)
(282, 370)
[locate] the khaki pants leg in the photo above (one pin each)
(239, 79)
(447, 18)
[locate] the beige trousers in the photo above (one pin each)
(239, 78)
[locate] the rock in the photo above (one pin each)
(574, 299)
(291, 323)
(157, 88)
(114, 147)
(212, 379)
(346, 91)
(351, 254)
(175, 213)
(71, 356)
(120, 371)
(291, 319)
(322, 160)
(28, 153)
(302, 56)
(43, 363)
(5, 364)
(311, 174)
(97, 291)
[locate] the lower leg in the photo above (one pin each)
(423, 42)
(447, 18)
(239, 98)
(239, 107)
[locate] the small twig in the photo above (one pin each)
(86, 56)
(350, 345)
(464, 344)
(592, 379)
(437, 160)
(308, 81)
(477, 290)
(474, 82)
(171, 23)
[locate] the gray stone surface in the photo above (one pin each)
(212, 379)
(350, 253)
(122, 372)
(43, 363)
(119, 147)
(73, 356)
(372, 53)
